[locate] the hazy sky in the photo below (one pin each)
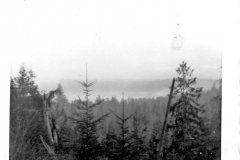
(123, 38)
(118, 39)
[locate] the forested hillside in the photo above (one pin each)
(134, 88)
(46, 125)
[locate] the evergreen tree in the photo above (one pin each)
(87, 146)
(188, 133)
(138, 143)
(62, 93)
(25, 82)
(25, 88)
(24, 94)
(118, 143)
(25, 117)
(62, 99)
(152, 145)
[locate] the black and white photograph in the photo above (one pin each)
(116, 80)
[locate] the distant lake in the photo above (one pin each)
(131, 88)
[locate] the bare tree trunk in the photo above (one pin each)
(159, 149)
(50, 127)
(46, 122)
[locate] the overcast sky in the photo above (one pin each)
(56, 39)
(118, 39)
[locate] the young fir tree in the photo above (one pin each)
(138, 147)
(87, 146)
(152, 145)
(186, 125)
(118, 144)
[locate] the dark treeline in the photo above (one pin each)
(110, 129)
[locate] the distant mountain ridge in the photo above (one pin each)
(131, 88)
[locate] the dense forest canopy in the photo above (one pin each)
(112, 128)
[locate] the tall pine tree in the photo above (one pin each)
(186, 126)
